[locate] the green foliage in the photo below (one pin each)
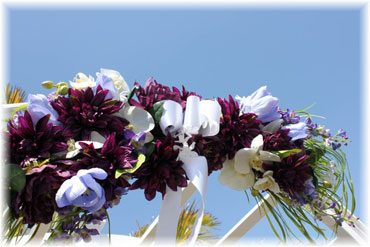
(286, 153)
(17, 178)
(284, 214)
(156, 111)
(140, 160)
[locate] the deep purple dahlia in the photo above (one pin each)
(213, 148)
(36, 202)
(162, 168)
(279, 140)
(236, 131)
(291, 173)
(154, 92)
(27, 142)
(83, 112)
(110, 158)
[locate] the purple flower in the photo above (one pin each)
(297, 131)
(236, 131)
(154, 92)
(39, 106)
(261, 103)
(35, 202)
(279, 140)
(289, 116)
(160, 170)
(335, 145)
(27, 141)
(112, 156)
(342, 132)
(310, 124)
(82, 190)
(83, 112)
(292, 173)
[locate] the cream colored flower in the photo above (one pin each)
(81, 81)
(267, 182)
(253, 157)
(233, 179)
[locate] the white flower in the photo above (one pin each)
(233, 179)
(267, 182)
(74, 147)
(140, 120)
(238, 173)
(81, 81)
(120, 91)
(253, 157)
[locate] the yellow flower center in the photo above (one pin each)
(71, 145)
(256, 162)
(130, 127)
(267, 184)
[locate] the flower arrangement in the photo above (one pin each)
(74, 153)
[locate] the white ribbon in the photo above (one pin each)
(201, 117)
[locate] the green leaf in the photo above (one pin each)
(132, 93)
(17, 178)
(156, 111)
(149, 148)
(140, 160)
(286, 153)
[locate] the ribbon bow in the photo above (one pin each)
(200, 117)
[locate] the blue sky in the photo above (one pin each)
(303, 56)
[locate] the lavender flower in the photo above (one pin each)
(297, 131)
(261, 103)
(82, 190)
(39, 106)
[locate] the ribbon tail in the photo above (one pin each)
(197, 171)
(168, 218)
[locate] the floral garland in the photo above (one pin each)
(75, 153)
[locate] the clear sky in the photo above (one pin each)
(303, 56)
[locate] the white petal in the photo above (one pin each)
(260, 182)
(242, 158)
(227, 172)
(268, 174)
(275, 188)
(242, 182)
(148, 137)
(273, 126)
(267, 156)
(141, 120)
(72, 154)
(96, 137)
(257, 142)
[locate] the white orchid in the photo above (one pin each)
(74, 147)
(267, 182)
(82, 81)
(253, 157)
(238, 173)
(140, 120)
(233, 179)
